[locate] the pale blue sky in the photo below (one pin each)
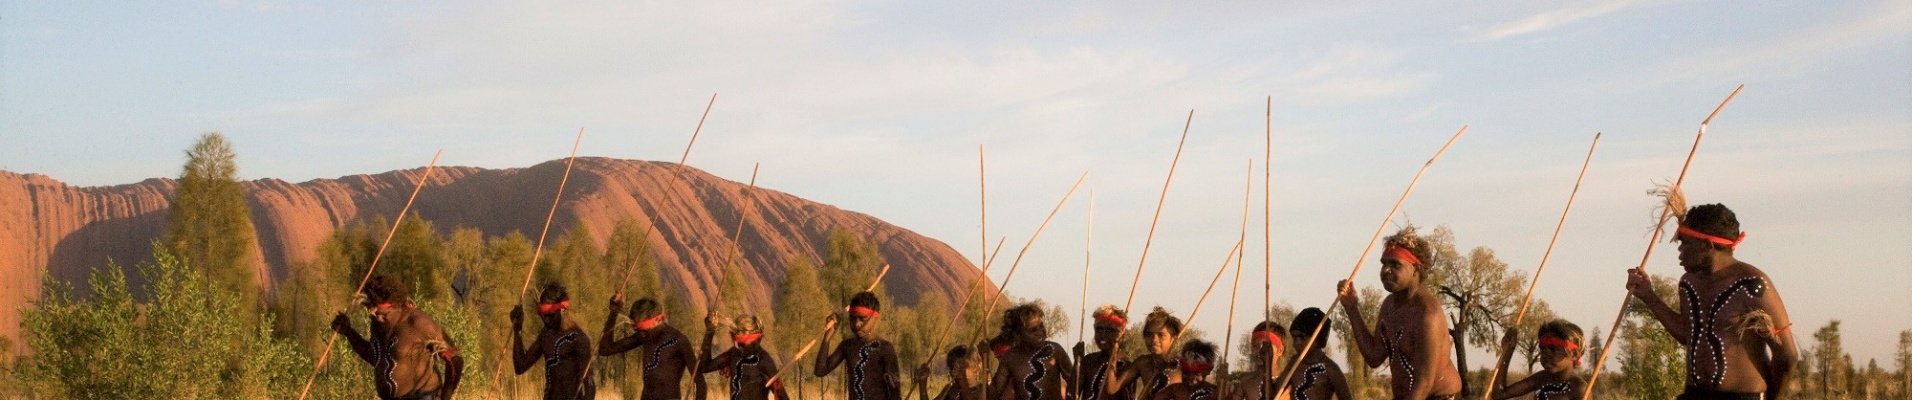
(879, 106)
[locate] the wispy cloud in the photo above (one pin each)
(1547, 20)
(1786, 54)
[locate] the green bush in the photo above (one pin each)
(187, 339)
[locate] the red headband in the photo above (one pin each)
(1401, 253)
(747, 338)
(1733, 244)
(1195, 367)
(649, 322)
(866, 312)
(1270, 336)
(1557, 342)
(548, 309)
(1111, 319)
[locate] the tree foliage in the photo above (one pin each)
(190, 339)
(210, 225)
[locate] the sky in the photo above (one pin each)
(881, 108)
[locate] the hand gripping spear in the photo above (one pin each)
(373, 267)
(1657, 229)
(1312, 336)
(1493, 377)
(826, 329)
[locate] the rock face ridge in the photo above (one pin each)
(49, 227)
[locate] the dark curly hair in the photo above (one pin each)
(1160, 317)
(552, 293)
(866, 300)
(1713, 219)
(1308, 320)
(386, 289)
(1012, 318)
(645, 308)
(1201, 348)
(1408, 238)
(956, 354)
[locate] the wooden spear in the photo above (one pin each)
(420, 185)
(826, 329)
(974, 288)
(991, 309)
(1150, 239)
(1267, 214)
(1211, 288)
(1657, 229)
(1088, 243)
(1535, 282)
(626, 282)
(539, 251)
(1309, 344)
(1247, 199)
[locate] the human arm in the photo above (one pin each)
(608, 344)
(360, 347)
(1364, 339)
(1067, 366)
(891, 372)
(521, 357)
(826, 362)
(1641, 287)
(1779, 342)
(1340, 382)
(454, 367)
(1507, 343)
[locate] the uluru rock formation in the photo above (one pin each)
(49, 227)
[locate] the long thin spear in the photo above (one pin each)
(1211, 288)
(373, 267)
(1247, 199)
(632, 270)
(1150, 239)
(1309, 344)
(539, 251)
(1153, 221)
(737, 234)
(974, 288)
(1657, 229)
(1088, 243)
(1018, 261)
(826, 329)
(1535, 282)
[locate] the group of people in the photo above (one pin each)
(1730, 320)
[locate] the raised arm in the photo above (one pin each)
(523, 358)
(360, 347)
(608, 344)
(1499, 380)
(827, 361)
(1364, 338)
(1641, 288)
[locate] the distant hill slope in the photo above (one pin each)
(72, 230)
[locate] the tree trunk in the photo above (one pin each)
(1458, 333)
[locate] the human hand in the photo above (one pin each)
(1639, 285)
(617, 304)
(1508, 341)
(1080, 347)
(1344, 291)
(340, 323)
(517, 317)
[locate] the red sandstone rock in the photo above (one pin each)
(48, 227)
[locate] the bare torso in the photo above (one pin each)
(1406, 321)
(1716, 357)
